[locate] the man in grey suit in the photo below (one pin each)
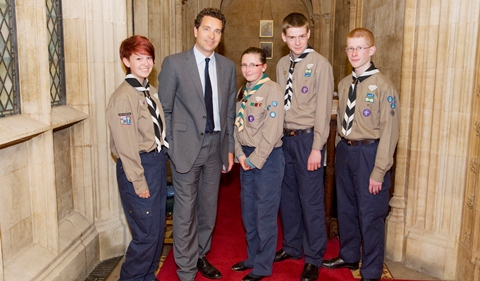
(197, 90)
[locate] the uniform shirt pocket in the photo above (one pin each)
(254, 116)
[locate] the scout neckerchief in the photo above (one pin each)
(293, 62)
(352, 96)
(152, 107)
(246, 95)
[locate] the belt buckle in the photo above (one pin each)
(349, 142)
(290, 133)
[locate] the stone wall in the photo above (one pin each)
(60, 206)
(60, 211)
(243, 29)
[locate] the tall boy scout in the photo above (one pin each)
(308, 81)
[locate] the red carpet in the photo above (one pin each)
(229, 245)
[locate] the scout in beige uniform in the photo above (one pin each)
(258, 148)
(367, 127)
(137, 131)
(308, 81)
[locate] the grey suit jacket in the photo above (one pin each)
(181, 94)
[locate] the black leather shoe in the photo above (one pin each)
(252, 277)
(363, 279)
(310, 272)
(281, 255)
(207, 269)
(339, 263)
(239, 266)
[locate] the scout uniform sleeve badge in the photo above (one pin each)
(125, 118)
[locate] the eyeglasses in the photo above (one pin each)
(358, 49)
(251, 66)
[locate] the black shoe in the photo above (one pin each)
(252, 277)
(310, 272)
(207, 269)
(339, 263)
(363, 279)
(281, 255)
(239, 266)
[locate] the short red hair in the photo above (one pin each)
(136, 44)
(362, 33)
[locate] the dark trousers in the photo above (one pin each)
(260, 197)
(302, 206)
(361, 215)
(145, 217)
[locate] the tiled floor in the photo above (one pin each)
(398, 270)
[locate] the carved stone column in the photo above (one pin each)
(468, 264)
(436, 100)
(94, 32)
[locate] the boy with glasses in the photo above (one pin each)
(367, 127)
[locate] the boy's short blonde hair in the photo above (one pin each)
(362, 33)
(294, 20)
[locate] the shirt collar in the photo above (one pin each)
(200, 58)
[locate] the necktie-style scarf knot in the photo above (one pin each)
(307, 51)
(136, 84)
(352, 97)
(288, 89)
(152, 108)
(239, 121)
(369, 72)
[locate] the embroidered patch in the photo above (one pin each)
(273, 114)
(256, 104)
(155, 95)
(275, 103)
(369, 97)
(392, 101)
(304, 89)
(126, 119)
(366, 112)
(392, 112)
(259, 98)
(372, 87)
(251, 118)
(124, 114)
(308, 73)
(268, 107)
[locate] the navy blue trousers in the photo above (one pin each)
(260, 197)
(361, 215)
(302, 206)
(145, 217)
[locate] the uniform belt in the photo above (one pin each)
(145, 152)
(292, 133)
(359, 142)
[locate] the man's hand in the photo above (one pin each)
(374, 187)
(314, 160)
(230, 163)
